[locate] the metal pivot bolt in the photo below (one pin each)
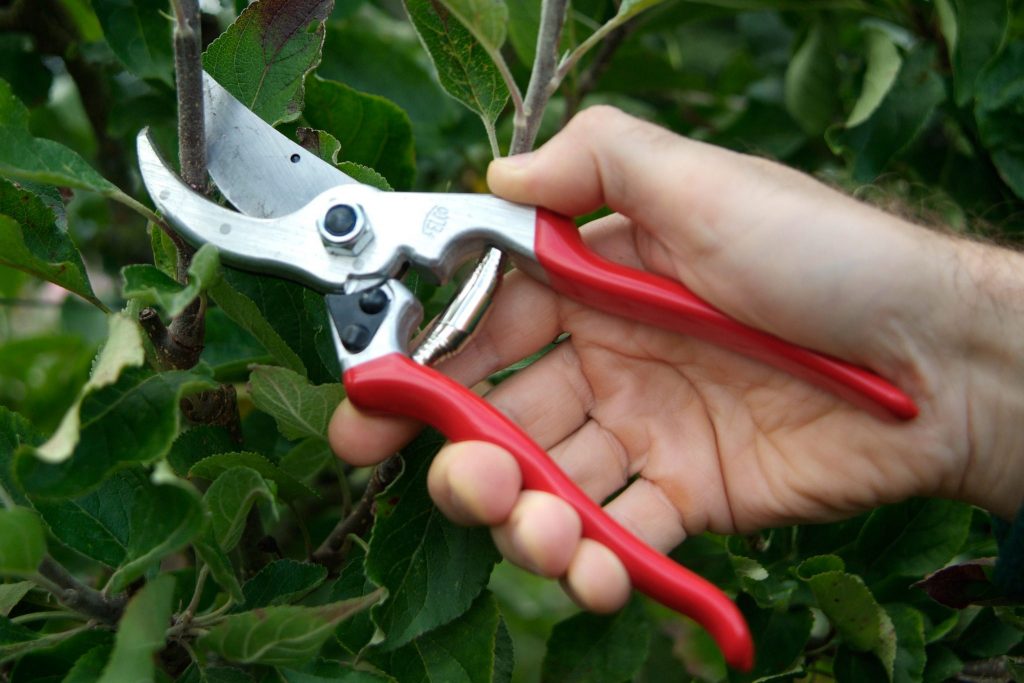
(344, 227)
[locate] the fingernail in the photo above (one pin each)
(516, 160)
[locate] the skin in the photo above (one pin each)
(716, 441)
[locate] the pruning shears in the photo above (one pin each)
(301, 218)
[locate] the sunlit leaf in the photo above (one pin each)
(122, 349)
(883, 66)
(465, 70)
(141, 633)
(487, 20)
(264, 55)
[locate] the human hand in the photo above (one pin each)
(716, 441)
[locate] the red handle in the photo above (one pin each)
(396, 385)
(582, 275)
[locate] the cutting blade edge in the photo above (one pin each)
(259, 170)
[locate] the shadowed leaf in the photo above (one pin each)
(141, 633)
(139, 33)
(22, 542)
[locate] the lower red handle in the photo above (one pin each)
(396, 385)
(577, 272)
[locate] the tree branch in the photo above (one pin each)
(79, 597)
(331, 552)
(543, 82)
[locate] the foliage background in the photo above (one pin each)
(167, 522)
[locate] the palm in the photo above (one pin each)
(729, 443)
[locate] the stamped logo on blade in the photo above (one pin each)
(436, 220)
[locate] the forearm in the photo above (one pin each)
(989, 290)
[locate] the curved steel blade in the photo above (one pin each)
(260, 171)
(289, 247)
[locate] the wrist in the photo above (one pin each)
(989, 293)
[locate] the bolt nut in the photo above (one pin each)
(344, 228)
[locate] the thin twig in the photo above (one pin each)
(188, 69)
(543, 81)
(75, 595)
(330, 551)
(45, 616)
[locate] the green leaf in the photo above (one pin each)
(913, 538)
(466, 72)
(263, 57)
(52, 660)
(12, 593)
(229, 500)
(23, 68)
(433, 569)
(462, 651)
(288, 487)
(221, 569)
(289, 320)
(197, 673)
(485, 19)
(812, 79)
(89, 666)
(198, 443)
(307, 459)
(281, 635)
(163, 519)
(139, 33)
(356, 633)
(123, 349)
(300, 409)
(15, 431)
(281, 582)
(372, 131)
(25, 157)
(34, 239)
(884, 63)
(630, 8)
(22, 542)
(910, 658)
(943, 665)
(898, 120)
(598, 648)
(16, 640)
(981, 33)
(855, 614)
(780, 636)
(152, 287)
(327, 146)
(1000, 115)
(96, 524)
(365, 175)
(133, 421)
(141, 633)
(325, 671)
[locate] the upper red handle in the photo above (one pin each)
(396, 385)
(577, 272)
